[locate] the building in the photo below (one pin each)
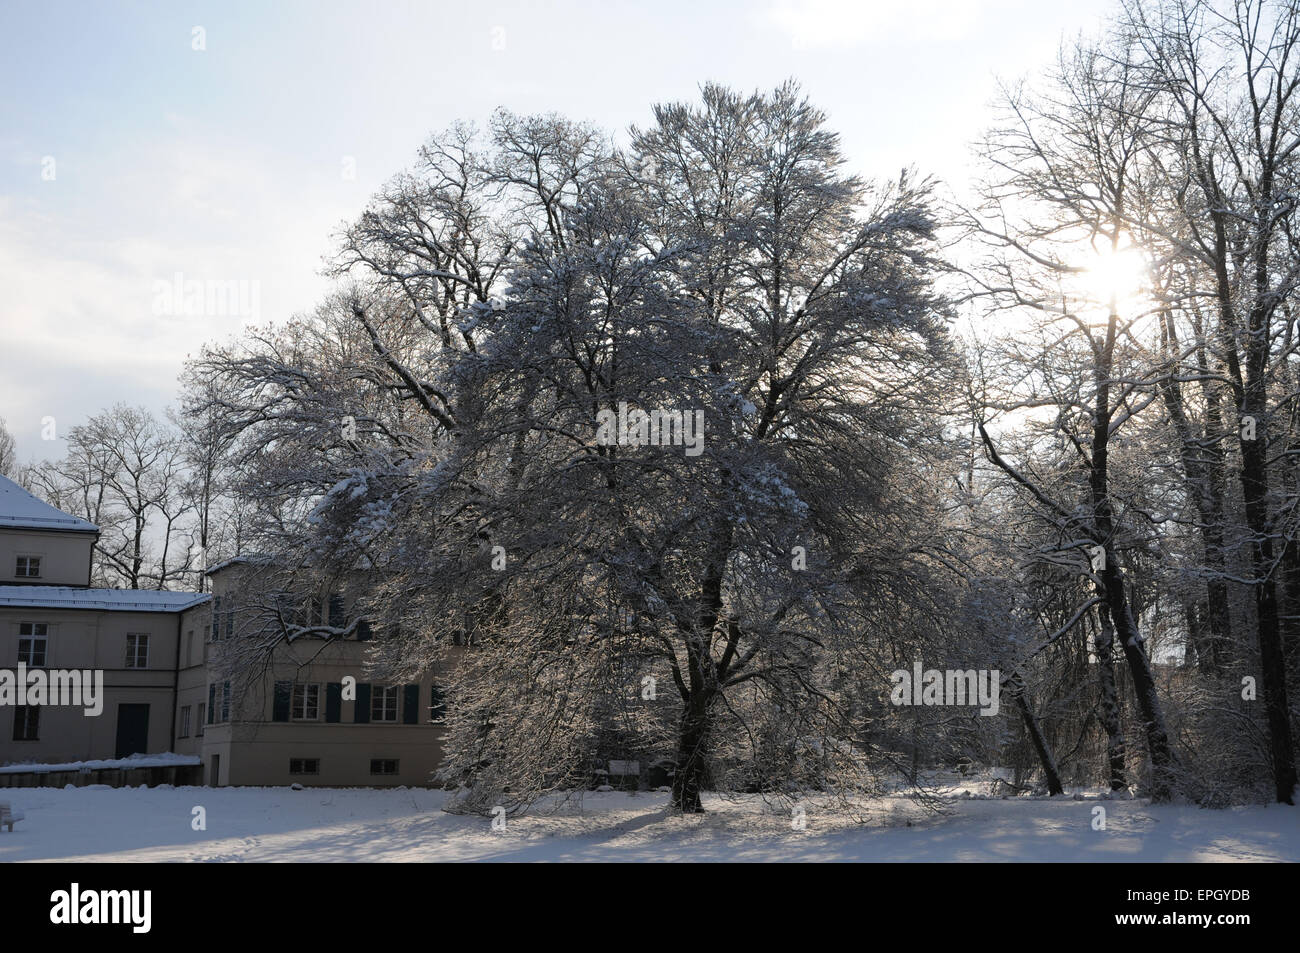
(310, 714)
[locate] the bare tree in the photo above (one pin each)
(124, 472)
(8, 453)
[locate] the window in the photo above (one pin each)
(383, 765)
(304, 765)
(198, 731)
(28, 567)
(32, 643)
(383, 703)
(27, 722)
(306, 702)
(337, 617)
(437, 703)
(184, 731)
(137, 650)
(218, 703)
(223, 612)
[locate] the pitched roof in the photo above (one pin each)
(249, 559)
(20, 510)
(107, 600)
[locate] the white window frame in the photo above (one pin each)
(302, 763)
(27, 569)
(33, 636)
(379, 695)
(133, 657)
(308, 700)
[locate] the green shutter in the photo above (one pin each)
(437, 703)
(334, 702)
(361, 711)
(363, 630)
(212, 700)
(336, 612)
(411, 705)
(283, 698)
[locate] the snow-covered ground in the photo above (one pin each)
(270, 824)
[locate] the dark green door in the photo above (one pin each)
(132, 730)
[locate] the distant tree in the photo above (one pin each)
(124, 471)
(8, 453)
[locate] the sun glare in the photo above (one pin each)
(1115, 276)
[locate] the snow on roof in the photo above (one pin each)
(109, 600)
(20, 510)
(252, 559)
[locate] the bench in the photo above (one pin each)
(8, 816)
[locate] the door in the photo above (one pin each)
(132, 730)
(214, 778)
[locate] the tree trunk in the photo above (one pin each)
(1202, 474)
(1144, 684)
(1110, 578)
(1271, 660)
(692, 740)
(1103, 643)
(1045, 758)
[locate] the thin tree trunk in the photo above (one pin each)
(1103, 644)
(1110, 579)
(1045, 758)
(1211, 630)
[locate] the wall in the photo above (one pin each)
(82, 639)
(65, 557)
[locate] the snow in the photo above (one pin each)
(406, 824)
(164, 760)
(20, 510)
(110, 600)
(250, 559)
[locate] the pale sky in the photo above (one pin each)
(128, 156)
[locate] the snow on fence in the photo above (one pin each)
(137, 770)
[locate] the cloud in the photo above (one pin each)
(82, 258)
(822, 24)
